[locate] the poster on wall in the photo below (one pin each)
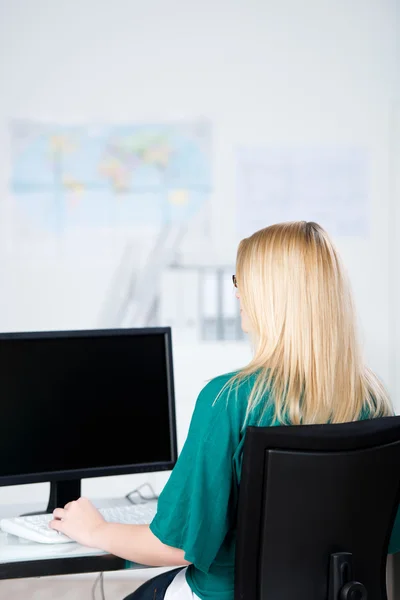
(328, 185)
(95, 185)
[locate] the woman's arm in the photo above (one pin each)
(138, 544)
(82, 522)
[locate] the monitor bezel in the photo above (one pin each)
(128, 469)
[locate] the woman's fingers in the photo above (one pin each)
(59, 513)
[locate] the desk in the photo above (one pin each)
(21, 558)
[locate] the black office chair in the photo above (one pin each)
(317, 504)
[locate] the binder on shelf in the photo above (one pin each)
(209, 304)
(230, 308)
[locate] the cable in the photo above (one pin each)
(103, 597)
(98, 580)
(94, 588)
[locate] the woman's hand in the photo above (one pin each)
(80, 521)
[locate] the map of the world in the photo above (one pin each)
(85, 176)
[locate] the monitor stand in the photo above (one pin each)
(61, 492)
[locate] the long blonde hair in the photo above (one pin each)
(298, 302)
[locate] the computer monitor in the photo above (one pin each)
(78, 404)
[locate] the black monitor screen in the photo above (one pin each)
(85, 401)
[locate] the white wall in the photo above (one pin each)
(394, 287)
(279, 72)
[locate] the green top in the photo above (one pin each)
(197, 507)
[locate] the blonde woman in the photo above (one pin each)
(307, 367)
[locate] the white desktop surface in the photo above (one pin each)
(15, 549)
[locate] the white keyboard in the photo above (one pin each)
(36, 527)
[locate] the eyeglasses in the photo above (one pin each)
(234, 280)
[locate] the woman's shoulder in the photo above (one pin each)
(226, 383)
(222, 403)
(217, 383)
(227, 389)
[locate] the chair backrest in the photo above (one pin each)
(309, 492)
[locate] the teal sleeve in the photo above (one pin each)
(394, 545)
(193, 509)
